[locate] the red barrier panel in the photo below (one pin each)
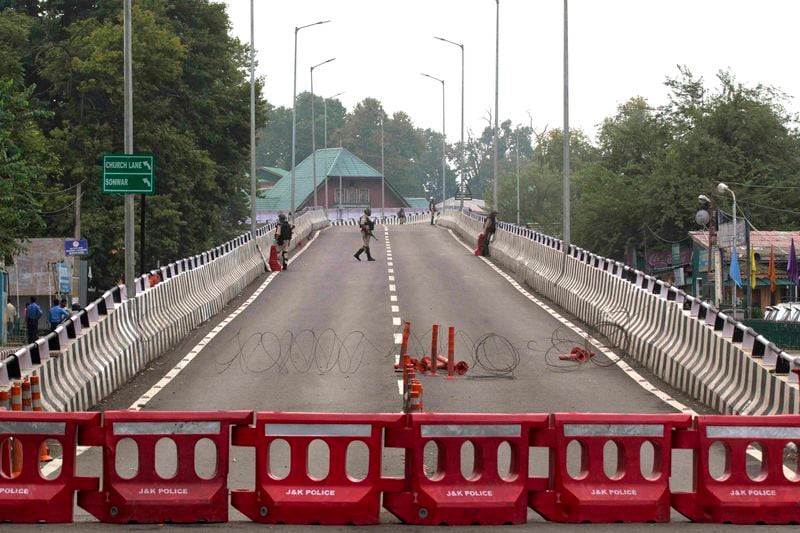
(26, 495)
(767, 493)
(627, 495)
(144, 496)
(445, 495)
(299, 498)
(274, 262)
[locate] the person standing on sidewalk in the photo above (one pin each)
(11, 316)
(57, 314)
(367, 225)
(32, 315)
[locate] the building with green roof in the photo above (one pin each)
(351, 183)
(269, 176)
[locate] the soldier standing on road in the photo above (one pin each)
(367, 225)
(283, 236)
(489, 227)
(432, 207)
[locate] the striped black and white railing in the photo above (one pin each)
(412, 218)
(104, 345)
(682, 339)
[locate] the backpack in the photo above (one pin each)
(286, 232)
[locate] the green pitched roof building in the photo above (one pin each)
(349, 181)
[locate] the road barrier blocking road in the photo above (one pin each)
(445, 495)
(493, 486)
(146, 497)
(300, 498)
(762, 492)
(591, 495)
(27, 496)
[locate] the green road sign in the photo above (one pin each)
(129, 174)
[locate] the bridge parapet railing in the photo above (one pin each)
(656, 316)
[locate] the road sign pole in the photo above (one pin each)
(128, 96)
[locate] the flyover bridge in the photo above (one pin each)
(223, 333)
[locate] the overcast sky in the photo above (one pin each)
(618, 49)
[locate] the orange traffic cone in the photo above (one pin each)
(36, 394)
(416, 405)
(16, 397)
(5, 400)
(27, 404)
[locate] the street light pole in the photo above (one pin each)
(566, 214)
(517, 146)
(444, 141)
(325, 107)
(314, 135)
(252, 123)
(461, 152)
(496, 105)
(128, 126)
(383, 176)
(294, 111)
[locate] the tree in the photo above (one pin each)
(25, 158)
(191, 109)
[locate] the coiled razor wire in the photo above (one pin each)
(303, 352)
(612, 331)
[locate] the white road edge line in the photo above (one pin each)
(145, 398)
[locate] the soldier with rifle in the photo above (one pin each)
(367, 226)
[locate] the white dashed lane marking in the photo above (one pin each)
(396, 319)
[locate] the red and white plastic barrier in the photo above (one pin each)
(764, 495)
(499, 489)
(299, 498)
(26, 496)
(146, 497)
(445, 495)
(591, 495)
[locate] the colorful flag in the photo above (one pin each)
(791, 269)
(734, 272)
(753, 268)
(773, 280)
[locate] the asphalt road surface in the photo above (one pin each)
(321, 337)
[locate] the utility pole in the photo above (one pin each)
(253, 224)
(128, 125)
(383, 176)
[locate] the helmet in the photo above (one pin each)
(282, 217)
(368, 211)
